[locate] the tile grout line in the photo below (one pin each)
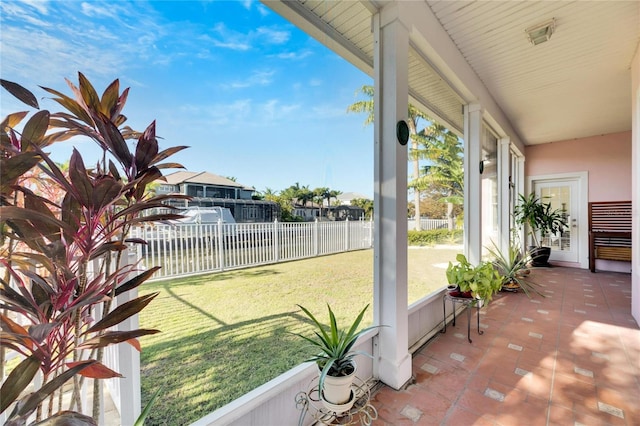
(555, 359)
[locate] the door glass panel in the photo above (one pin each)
(563, 194)
(560, 198)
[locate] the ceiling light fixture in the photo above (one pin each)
(541, 32)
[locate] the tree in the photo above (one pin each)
(414, 115)
(365, 204)
(445, 171)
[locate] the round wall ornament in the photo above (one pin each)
(402, 132)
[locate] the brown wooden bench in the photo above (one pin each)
(609, 231)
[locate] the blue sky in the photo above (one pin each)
(254, 97)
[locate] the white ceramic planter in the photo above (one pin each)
(337, 390)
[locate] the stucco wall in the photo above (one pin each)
(607, 158)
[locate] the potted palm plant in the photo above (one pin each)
(337, 367)
(481, 281)
(541, 220)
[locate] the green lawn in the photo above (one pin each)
(226, 333)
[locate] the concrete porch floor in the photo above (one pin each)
(571, 358)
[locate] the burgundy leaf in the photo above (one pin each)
(21, 93)
(122, 312)
(136, 281)
(96, 371)
(18, 381)
(146, 148)
(113, 337)
(35, 129)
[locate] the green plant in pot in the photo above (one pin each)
(336, 358)
(482, 280)
(512, 266)
(541, 220)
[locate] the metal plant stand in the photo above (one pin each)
(469, 302)
(361, 412)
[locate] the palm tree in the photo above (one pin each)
(444, 172)
(414, 114)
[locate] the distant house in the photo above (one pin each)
(345, 198)
(345, 213)
(208, 190)
(308, 212)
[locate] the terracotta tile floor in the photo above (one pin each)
(572, 358)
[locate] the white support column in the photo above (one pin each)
(520, 188)
(504, 209)
(472, 182)
(635, 186)
(391, 97)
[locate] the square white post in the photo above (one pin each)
(472, 182)
(391, 99)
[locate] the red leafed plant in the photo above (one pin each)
(66, 257)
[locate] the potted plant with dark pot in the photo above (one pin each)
(479, 281)
(541, 220)
(336, 363)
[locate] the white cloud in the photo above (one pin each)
(263, 10)
(66, 37)
(39, 5)
(230, 39)
(273, 36)
(294, 55)
(94, 10)
(258, 78)
(272, 110)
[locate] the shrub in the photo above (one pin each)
(435, 236)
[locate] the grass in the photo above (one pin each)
(227, 333)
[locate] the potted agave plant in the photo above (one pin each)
(336, 363)
(512, 266)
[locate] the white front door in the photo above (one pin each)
(563, 194)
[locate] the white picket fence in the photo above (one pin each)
(428, 224)
(188, 249)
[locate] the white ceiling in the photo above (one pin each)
(575, 85)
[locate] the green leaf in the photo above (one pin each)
(20, 92)
(18, 381)
(147, 409)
